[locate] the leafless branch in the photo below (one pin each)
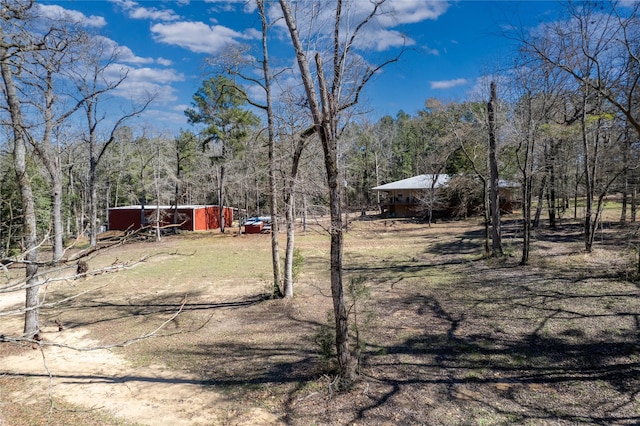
(151, 334)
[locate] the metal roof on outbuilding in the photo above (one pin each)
(162, 207)
(427, 181)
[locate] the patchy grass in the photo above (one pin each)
(448, 337)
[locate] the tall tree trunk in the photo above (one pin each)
(289, 207)
(93, 175)
(551, 192)
(51, 160)
(93, 208)
(527, 199)
(494, 201)
(288, 260)
(56, 218)
(527, 167)
(575, 190)
(156, 179)
(588, 238)
(273, 196)
(526, 215)
(176, 195)
(221, 198)
(347, 370)
(176, 188)
(32, 311)
(487, 219)
(305, 212)
(273, 189)
(634, 209)
(325, 122)
(625, 176)
(625, 197)
(536, 220)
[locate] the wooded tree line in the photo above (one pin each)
(566, 118)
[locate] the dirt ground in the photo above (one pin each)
(447, 337)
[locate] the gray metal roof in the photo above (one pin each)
(416, 182)
(508, 184)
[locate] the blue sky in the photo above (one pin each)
(164, 44)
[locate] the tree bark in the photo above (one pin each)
(324, 118)
(273, 188)
(494, 202)
(289, 207)
(543, 184)
(221, 197)
(526, 168)
(586, 158)
(288, 259)
(51, 161)
(30, 249)
(551, 189)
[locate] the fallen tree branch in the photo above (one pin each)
(41, 343)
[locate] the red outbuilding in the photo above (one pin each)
(190, 218)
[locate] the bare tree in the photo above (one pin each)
(327, 99)
(474, 148)
(536, 93)
(439, 145)
(271, 135)
(299, 143)
(494, 185)
(597, 46)
(235, 62)
(43, 79)
(13, 41)
(93, 86)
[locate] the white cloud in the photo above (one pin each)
(164, 75)
(157, 118)
(628, 3)
(180, 107)
(379, 34)
(164, 61)
(56, 12)
(141, 83)
(380, 40)
(197, 36)
(448, 84)
(135, 11)
(430, 51)
(126, 55)
(257, 94)
(399, 12)
(248, 6)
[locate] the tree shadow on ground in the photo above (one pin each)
(74, 314)
(465, 243)
(513, 375)
(497, 343)
(493, 343)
